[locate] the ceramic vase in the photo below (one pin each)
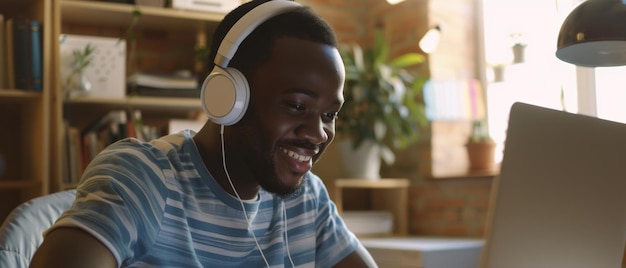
(362, 162)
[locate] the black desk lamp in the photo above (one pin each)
(594, 34)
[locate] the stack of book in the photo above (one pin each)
(159, 85)
(215, 6)
(83, 145)
(20, 53)
(369, 223)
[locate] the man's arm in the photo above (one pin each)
(360, 257)
(72, 248)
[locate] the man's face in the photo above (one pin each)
(294, 99)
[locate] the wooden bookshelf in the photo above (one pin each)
(118, 15)
(140, 102)
(185, 31)
(18, 95)
(25, 121)
(389, 194)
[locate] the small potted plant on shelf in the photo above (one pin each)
(519, 46)
(480, 148)
(383, 107)
(76, 82)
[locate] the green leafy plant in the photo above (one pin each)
(81, 59)
(383, 101)
(479, 133)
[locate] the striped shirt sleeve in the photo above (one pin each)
(121, 183)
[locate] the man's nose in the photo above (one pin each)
(313, 130)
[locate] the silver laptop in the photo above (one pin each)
(560, 198)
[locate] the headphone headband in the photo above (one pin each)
(247, 24)
(225, 92)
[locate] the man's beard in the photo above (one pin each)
(269, 181)
(261, 162)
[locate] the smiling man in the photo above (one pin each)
(240, 192)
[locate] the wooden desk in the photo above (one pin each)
(425, 252)
(390, 194)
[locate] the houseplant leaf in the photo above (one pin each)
(383, 101)
(407, 60)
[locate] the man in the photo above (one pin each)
(236, 194)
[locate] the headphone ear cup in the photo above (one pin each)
(225, 95)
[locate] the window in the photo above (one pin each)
(611, 93)
(541, 78)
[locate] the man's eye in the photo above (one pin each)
(297, 107)
(331, 116)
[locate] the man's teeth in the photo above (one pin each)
(297, 156)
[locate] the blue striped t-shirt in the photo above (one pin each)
(154, 204)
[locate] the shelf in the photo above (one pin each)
(388, 194)
(138, 102)
(120, 15)
(372, 184)
(476, 174)
(13, 95)
(15, 184)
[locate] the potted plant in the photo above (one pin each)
(518, 47)
(76, 82)
(499, 71)
(383, 107)
(480, 148)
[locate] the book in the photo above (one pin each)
(2, 54)
(21, 53)
(137, 123)
(8, 50)
(36, 55)
(74, 156)
(141, 131)
(173, 81)
(167, 92)
(90, 148)
(114, 118)
(108, 129)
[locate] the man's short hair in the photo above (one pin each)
(256, 48)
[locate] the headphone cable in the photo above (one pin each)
(286, 236)
(245, 213)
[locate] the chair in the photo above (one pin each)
(21, 232)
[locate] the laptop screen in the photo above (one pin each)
(560, 198)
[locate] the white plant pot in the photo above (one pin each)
(362, 162)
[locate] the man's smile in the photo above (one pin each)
(297, 162)
(297, 156)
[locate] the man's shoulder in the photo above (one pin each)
(165, 144)
(169, 143)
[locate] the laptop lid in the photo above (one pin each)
(560, 198)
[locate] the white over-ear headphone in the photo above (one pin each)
(225, 92)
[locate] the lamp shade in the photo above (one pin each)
(594, 34)
(430, 40)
